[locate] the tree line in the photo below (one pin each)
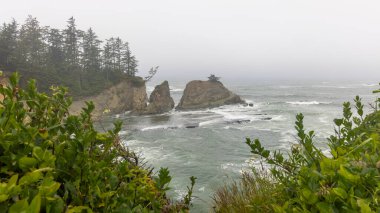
(71, 57)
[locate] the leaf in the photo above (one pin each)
(27, 163)
(340, 192)
(12, 181)
(35, 205)
(3, 197)
(324, 207)
(348, 175)
(30, 177)
(79, 209)
(20, 206)
(364, 206)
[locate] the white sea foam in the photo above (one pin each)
(160, 127)
(324, 120)
(172, 89)
(278, 118)
(306, 102)
(370, 85)
(149, 89)
(210, 122)
(123, 132)
(333, 86)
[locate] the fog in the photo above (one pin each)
(240, 39)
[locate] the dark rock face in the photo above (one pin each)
(160, 100)
(206, 94)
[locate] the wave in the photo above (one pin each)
(149, 89)
(370, 85)
(160, 127)
(210, 122)
(306, 102)
(172, 89)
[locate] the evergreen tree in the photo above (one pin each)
(56, 55)
(8, 45)
(31, 47)
(107, 59)
(71, 57)
(129, 62)
(91, 52)
(71, 44)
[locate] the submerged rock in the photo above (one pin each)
(206, 94)
(160, 100)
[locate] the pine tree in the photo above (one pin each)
(91, 52)
(8, 46)
(31, 47)
(71, 46)
(56, 55)
(107, 59)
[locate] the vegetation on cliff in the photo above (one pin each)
(70, 57)
(307, 180)
(52, 161)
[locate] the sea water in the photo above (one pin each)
(209, 143)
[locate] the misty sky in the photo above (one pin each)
(247, 39)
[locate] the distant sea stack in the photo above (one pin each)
(206, 94)
(160, 100)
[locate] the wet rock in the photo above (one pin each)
(160, 100)
(206, 94)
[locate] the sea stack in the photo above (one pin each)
(206, 94)
(160, 100)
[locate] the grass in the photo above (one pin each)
(255, 192)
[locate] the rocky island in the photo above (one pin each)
(160, 100)
(207, 94)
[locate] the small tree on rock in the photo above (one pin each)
(213, 78)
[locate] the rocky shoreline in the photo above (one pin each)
(130, 95)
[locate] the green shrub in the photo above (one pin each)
(255, 192)
(347, 180)
(51, 161)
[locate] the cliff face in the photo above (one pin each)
(206, 94)
(128, 95)
(160, 100)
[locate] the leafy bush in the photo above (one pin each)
(51, 161)
(347, 180)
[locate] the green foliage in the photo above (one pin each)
(307, 180)
(346, 181)
(51, 161)
(255, 192)
(70, 57)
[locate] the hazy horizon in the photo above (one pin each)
(239, 40)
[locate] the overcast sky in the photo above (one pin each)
(247, 39)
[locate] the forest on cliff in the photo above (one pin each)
(70, 57)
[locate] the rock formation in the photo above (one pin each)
(206, 94)
(128, 95)
(160, 100)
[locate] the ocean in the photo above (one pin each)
(210, 143)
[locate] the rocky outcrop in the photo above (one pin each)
(128, 95)
(160, 100)
(206, 94)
